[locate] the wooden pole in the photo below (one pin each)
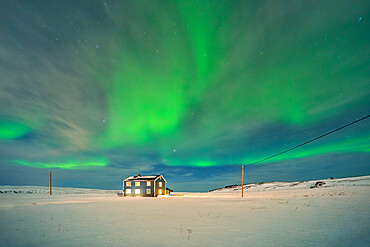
(50, 182)
(242, 181)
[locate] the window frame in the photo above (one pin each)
(148, 191)
(148, 183)
(160, 184)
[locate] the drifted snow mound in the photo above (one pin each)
(45, 190)
(272, 186)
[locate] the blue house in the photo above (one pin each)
(150, 186)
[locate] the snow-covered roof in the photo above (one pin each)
(138, 178)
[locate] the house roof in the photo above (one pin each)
(142, 178)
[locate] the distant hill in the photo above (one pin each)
(272, 186)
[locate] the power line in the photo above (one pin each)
(314, 139)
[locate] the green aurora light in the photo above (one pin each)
(357, 145)
(71, 165)
(12, 130)
(155, 77)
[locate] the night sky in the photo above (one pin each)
(96, 91)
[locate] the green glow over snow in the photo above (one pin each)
(72, 165)
(357, 145)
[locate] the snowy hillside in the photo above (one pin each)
(281, 186)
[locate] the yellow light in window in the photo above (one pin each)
(159, 192)
(160, 184)
(137, 183)
(128, 184)
(128, 191)
(148, 183)
(137, 191)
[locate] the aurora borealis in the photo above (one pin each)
(100, 90)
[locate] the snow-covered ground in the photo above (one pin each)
(336, 213)
(55, 190)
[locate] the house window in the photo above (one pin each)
(137, 191)
(160, 184)
(148, 183)
(148, 191)
(159, 192)
(137, 183)
(128, 191)
(128, 183)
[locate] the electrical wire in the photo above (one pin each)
(314, 139)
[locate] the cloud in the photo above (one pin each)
(162, 85)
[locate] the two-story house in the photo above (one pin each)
(145, 186)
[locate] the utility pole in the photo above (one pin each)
(50, 182)
(242, 181)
